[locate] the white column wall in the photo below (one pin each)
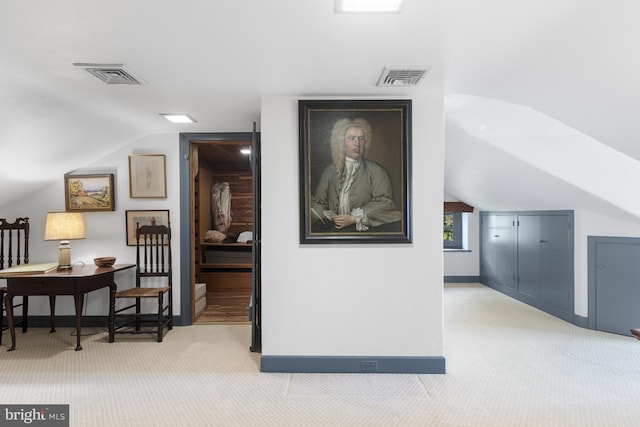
(346, 300)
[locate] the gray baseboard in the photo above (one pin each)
(461, 279)
(581, 321)
(353, 364)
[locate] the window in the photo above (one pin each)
(452, 230)
(455, 228)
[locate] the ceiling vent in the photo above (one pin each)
(111, 74)
(401, 77)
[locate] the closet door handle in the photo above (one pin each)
(496, 235)
(544, 241)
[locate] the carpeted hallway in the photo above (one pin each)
(507, 365)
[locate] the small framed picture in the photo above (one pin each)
(140, 218)
(89, 193)
(147, 176)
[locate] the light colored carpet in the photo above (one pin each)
(507, 365)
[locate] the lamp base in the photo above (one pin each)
(64, 255)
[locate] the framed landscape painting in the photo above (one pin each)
(88, 193)
(355, 171)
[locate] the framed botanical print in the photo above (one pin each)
(147, 176)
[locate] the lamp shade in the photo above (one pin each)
(64, 226)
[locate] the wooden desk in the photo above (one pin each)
(76, 281)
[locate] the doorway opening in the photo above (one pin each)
(219, 191)
(223, 234)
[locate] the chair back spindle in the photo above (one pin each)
(14, 250)
(14, 242)
(153, 256)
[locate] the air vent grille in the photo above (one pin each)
(112, 74)
(395, 77)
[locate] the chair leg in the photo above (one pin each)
(170, 310)
(25, 314)
(1, 314)
(160, 312)
(112, 308)
(138, 314)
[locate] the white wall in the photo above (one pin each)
(105, 230)
(339, 300)
(466, 263)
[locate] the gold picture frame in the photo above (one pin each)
(89, 192)
(147, 176)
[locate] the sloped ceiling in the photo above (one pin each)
(509, 157)
(572, 60)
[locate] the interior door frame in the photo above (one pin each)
(186, 259)
(255, 308)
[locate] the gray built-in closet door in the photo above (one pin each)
(556, 261)
(529, 268)
(529, 256)
(498, 261)
(545, 260)
(616, 288)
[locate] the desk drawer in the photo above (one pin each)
(40, 286)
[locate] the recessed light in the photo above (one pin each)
(367, 6)
(178, 118)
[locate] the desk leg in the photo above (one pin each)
(52, 310)
(112, 312)
(79, 300)
(8, 305)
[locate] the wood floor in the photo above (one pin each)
(230, 307)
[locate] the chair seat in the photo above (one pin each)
(141, 292)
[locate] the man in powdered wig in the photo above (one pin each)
(354, 190)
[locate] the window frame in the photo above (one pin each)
(456, 229)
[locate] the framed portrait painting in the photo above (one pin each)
(355, 171)
(89, 193)
(135, 218)
(147, 176)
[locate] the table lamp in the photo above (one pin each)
(64, 226)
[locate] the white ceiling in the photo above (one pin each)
(574, 60)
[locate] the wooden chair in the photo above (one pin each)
(14, 250)
(153, 280)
